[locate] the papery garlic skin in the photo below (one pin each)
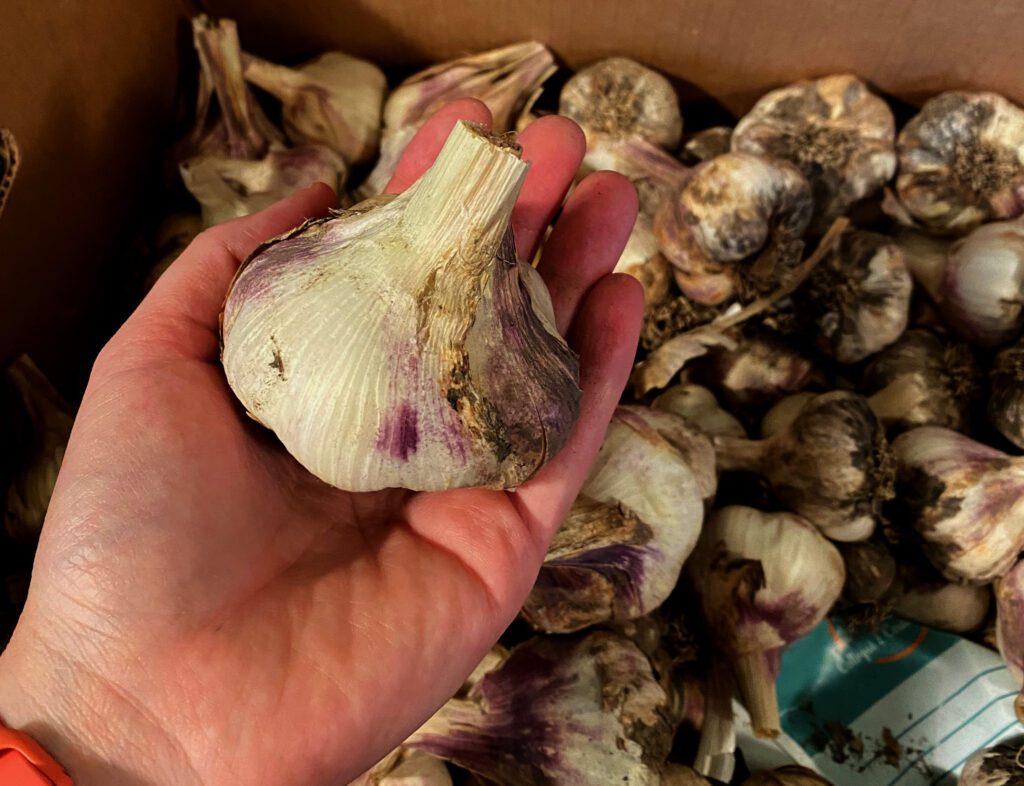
(619, 552)
(765, 580)
(734, 226)
(961, 162)
(858, 297)
(404, 345)
(1006, 401)
(334, 99)
(1000, 765)
(508, 80)
(560, 710)
(1009, 594)
(700, 409)
(839, 133)
(965, 499)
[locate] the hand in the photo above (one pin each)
(204, 611)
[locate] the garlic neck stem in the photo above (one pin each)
(736, 453)
(464, 202)
(282, 83)
(757, 687)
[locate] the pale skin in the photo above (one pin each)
(204, 611)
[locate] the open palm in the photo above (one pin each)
(203, 610)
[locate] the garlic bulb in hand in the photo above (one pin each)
(964, 499)
(765, 580)
(922, 380)
(1000, 765)
(700, 409)
(620, 550)
(960, 163)
(404, 345)
(334, 99)
(508, 80)
(831, 464)
(560, 710)
(241, 165)
(706, 144)
(49, 419)
(857, 299)
(839, 133)
(1006, 401)
(734, 226)
(1010, 626)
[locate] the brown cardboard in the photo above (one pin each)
(87, 87)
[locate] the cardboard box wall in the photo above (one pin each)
(88, 87)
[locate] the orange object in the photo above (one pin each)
(23, 762)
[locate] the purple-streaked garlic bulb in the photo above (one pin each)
(1006, 400)
(765, 580)
(964, 499)
(239, 164)
(1010, 625)
(961, 162)
(829, 462)
(857, 299)
(734, 226)
(700, 409)
(839, 133)
(508, 80)
(559, 710)
(619, 552)
(923, 380)
(403, 345)
(334, 99)
(1000, 765)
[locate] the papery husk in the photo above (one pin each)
(559, 711)
(508, 80)
(49, 419)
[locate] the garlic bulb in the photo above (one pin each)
(707, 144)
(964, 499)
(857, 299)
(831, 464)
(508, 80)
(960, 608)
(922, 380)
(1006, 402)
(334, 99)
(734, 226)
(759, 369)
(765, 580)
(405, 767)
(49, 419)
(1000, 765)
(681, 775)
(403, 345)
(619, 552)
(870, 571)
(839, 133)
(1010, 626)
(700, 409)
(559, 711)
(790, 775)
(172, 237)
(241, 165)
(960, 162)
(9, 161)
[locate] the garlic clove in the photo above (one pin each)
(700, 409)
(404, 345)
(1006, 400)
(512, 727)
(49, 419)
(959, 608)
(681, 775)
(734, 226)
(857, 299)
(334, 99)
(406, 767)
(923, 380)
(620, 98)
(965, 501)
(831, 464)
(508, 80)
(10, 159)
(1000, 765)
(870, 571)
(960, 162)
(1009, 593)
(839, 133)
(765, 580)
(707, 144)
(618, 554)
(172, 236)
(790, 775)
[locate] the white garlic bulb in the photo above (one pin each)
(839, 133)
(734, 226)
(961, 162)
(404, 345)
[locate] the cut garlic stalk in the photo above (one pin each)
(765, 580)
(839, 133)
(960, 162)
(508, 80)
(404, 345)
